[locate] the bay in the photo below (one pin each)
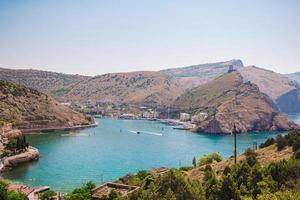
(114, 149)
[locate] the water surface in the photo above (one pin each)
(113, 149)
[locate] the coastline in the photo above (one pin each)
(37, 130)
(29, 155)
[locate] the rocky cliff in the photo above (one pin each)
(28, 108)
(283, 91)
(233, 105)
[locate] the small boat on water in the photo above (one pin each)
(181, 128)
(138, 132)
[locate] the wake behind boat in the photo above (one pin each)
(147, 132)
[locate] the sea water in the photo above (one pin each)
(118, 147)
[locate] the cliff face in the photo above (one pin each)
(233, 106)
(284, 92)
(27, 108)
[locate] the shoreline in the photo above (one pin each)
(37, 130)
(30, 154)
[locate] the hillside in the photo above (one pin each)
(264, 156)
(142, 88)
(196, 75)
(52, 83)
(28, 108)
(295, 76)
(233, 106)
(284, 92)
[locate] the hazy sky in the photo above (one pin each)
(95, 37)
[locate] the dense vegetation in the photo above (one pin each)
(15, 146)
(6, 195)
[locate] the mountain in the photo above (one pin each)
(295, 76)
(52, 83)
(142, 88)
(233, 105)
(154, 89)
(284, 92)
(27, 108)
(196, 75)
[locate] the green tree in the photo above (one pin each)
(210, 158)
(48, 195)
(16, 196)
(3, 191)
(281, 142)
(278, 171)
(228, 189)
(194, 161)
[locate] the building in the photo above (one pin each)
(30, 192)
(200, 117)
(185, 117)
(127, 116)
(102, 192)
(150, 114)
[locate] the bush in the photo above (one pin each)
(186, 168)
(251, 160)
(3, 190)
(208, 159)
(267, 143)
(296, 144)
(82, 193)
(48, 195)
(16, 196)
(297, 154)
(281, 142)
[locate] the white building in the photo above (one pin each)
(200, 117)
(185, 117)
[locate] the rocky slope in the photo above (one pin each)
(28, 108)
(196, 75)
(52, 83)
(233, 106)
(154, 89)
(142, 88)
(284, 92)
(295, 76)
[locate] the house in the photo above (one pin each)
(200, 117)
(102, 192)
(185, 117)
(30, 192)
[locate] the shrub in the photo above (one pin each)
(227, 170)
(297, 154)
(250, 152)
(208, 159)
(267, 143)
(251, 160)
(186, 168)
(281, 142)
(296, 144)
(3, 190)
(278, 171)
(48, 195)
(17, 196)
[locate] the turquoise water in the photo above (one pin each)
(113, 149)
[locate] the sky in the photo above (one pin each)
(96, 37)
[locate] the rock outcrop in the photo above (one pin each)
(7, 161)
(283, 91)
(233, 106)
(30, 154)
